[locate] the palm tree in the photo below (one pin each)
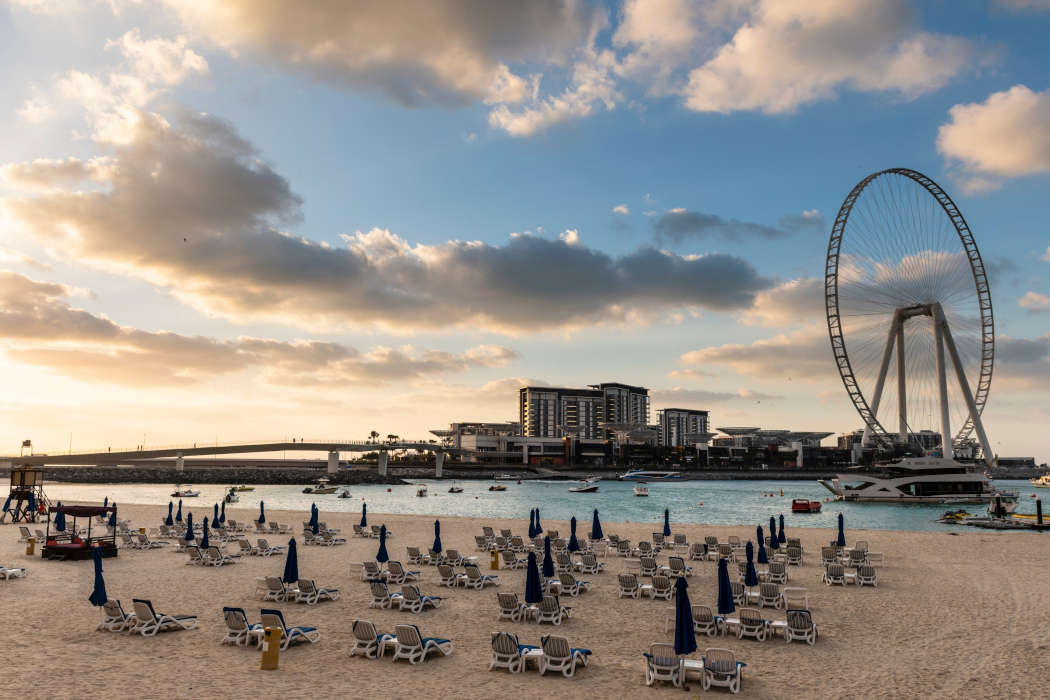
(372, 436)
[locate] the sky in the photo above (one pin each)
(239, 220)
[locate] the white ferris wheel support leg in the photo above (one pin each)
(971, 405)
(902, 392)
(896, 327)
(942, 387)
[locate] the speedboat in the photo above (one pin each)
(584, 487)
(802, 505)
(928, 479)
(497, 487)
(321, 488)
(455, 488)
(1042, 482)
(504, 477)
(345, 493)
(242, 487)
(641, 490)
(421, 490)
(231, 496)
(187, 492)
(641, 475)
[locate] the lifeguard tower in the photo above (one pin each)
(26, 500)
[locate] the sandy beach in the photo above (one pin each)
(953, 614)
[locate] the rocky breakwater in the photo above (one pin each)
(209, 475)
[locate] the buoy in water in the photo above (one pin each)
(700, 503)
(781, 492)
(388, 490)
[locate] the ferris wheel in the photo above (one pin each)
(904, 278)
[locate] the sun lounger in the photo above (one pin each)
(796, 598)
(508, 654)
(246, 547)
(277, 590)
(623, 548)
(367, 642)
(410, 644)
(794, 556)
(551, 610)
(876, 559)
(414, 601)
(722, 669)
(329, 540)
(866, 576)
(828, 555)
(214, 557)
(511, 561)
(571, 586)
(680, 543)
(778, 572)
(239, 631)
(562, 562)
(397, 573)
(648, 566)
(24, 533)
(725, 551)
(705, 621)
(768, 595)
(834, 574)
(264, 549)
(476, 580)
(415, 556)
(589, 564)
(195, 555)
(628, 585)
(559, 656)
(750, 623)
(510, 608)
(114, 619)
(678, 567)
(800, 626)
(381, 596)
(481, 544)
(310, 593)
(274, 618)
(662, 664)
(697, 552)
(661, 588)
(148, 621)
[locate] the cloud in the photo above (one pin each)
(35, 110)
(1007, 135)
(683, 397)
(802, 354)
(688, 374)
(45, 174)
(570, 236)
(792, 52)
(1046, 255)
(192, 208)
(680, 224)
(38, 327)
(1034, 301)
(12, 256)
(1023, 363)
(793, 303)
(621, 209)
(417, 52)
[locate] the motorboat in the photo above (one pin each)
(421, 490)
(641, 475)
(929, 479)
(803, 505)
(1042, 482)
(242, 487)
(321, 488)
(584, 487)
(455, 488)
(504, 477)
(497, 487)
(641, 490)
(231, 496)
(185, 491)
(345, 493)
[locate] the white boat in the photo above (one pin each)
(186, 492)
(497, 487)
(456, 487)
(321, 488)
(421, 490)
(584, 487)
(1042, 482)
(640, 475)
(345, 493)
(917, 480)
(641, 490)
(504, 477)
(231, 496)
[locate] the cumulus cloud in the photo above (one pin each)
(35, 110)
(1034, 301)
(792, 52)
(621, 209)
(417, 52)
(792, 303)
(680, 224)
(801, 354)
(192, 208)
(39, 327)
(1007, 135)
(1023, 363)
(1046, 255)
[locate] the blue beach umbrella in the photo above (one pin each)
(533, 587)
(98, 595)
(596, 527)
(364, 515)
(189, 528)
(222, 513)
(32, 503)
(684, 632)
(780, 533)
(774, 543)
(532, 524)
(313, 515)
(381, 556)
(750, 575)
(667, 523)
(113, 516)
(291, 563)
(178, 513)
(7, 504)
(725, 591)
(262, 513)
(60, 520)
(437, 537)
(548, 561)
(315, 528)
(105, 501)
(841, 541)
(215, 513)
(574, 546)
(762, 558)
(539, 528)
(204, 533)
(169, 521)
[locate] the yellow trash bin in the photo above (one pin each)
(271, 648)
(494, 561)
(142, 531)
(30, 546)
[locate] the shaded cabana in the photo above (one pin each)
(69, 545)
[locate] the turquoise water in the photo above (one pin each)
(724, 502)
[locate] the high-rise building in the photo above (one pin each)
(678, 425)
(624, 403)
(560, 411)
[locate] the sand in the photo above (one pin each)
(952, 615)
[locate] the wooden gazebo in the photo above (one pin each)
(68, 544)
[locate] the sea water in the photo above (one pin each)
(712, 502)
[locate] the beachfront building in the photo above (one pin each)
(682, 427)
(557, 412)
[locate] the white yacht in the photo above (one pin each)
(1042, 482)
(918, 480)
(639, 475)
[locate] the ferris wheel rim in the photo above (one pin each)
(981, 286)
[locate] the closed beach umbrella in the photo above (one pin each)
(533, 587)
(105, 501)
(189, 528)
(313, 515)
(539, 528)
(381, 556)
(98, 594)
(750, 575)
(762, 558)
(204, 534)
(32, 502)
(222, 513)
(291, 563)
(437, 537)
(113, 516)
(532, 523)
(262, 513)
(667, 523)
(774, 543)
(725, 591)
(684, 633)
(169, 521)
(548, 562)
(574, 546)
(841, 541)
(596, 527)
(780, 533)
(215, 514)
(7, 504)
(178, 513)
(364, 515)
(60, 519)
(315, 528)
